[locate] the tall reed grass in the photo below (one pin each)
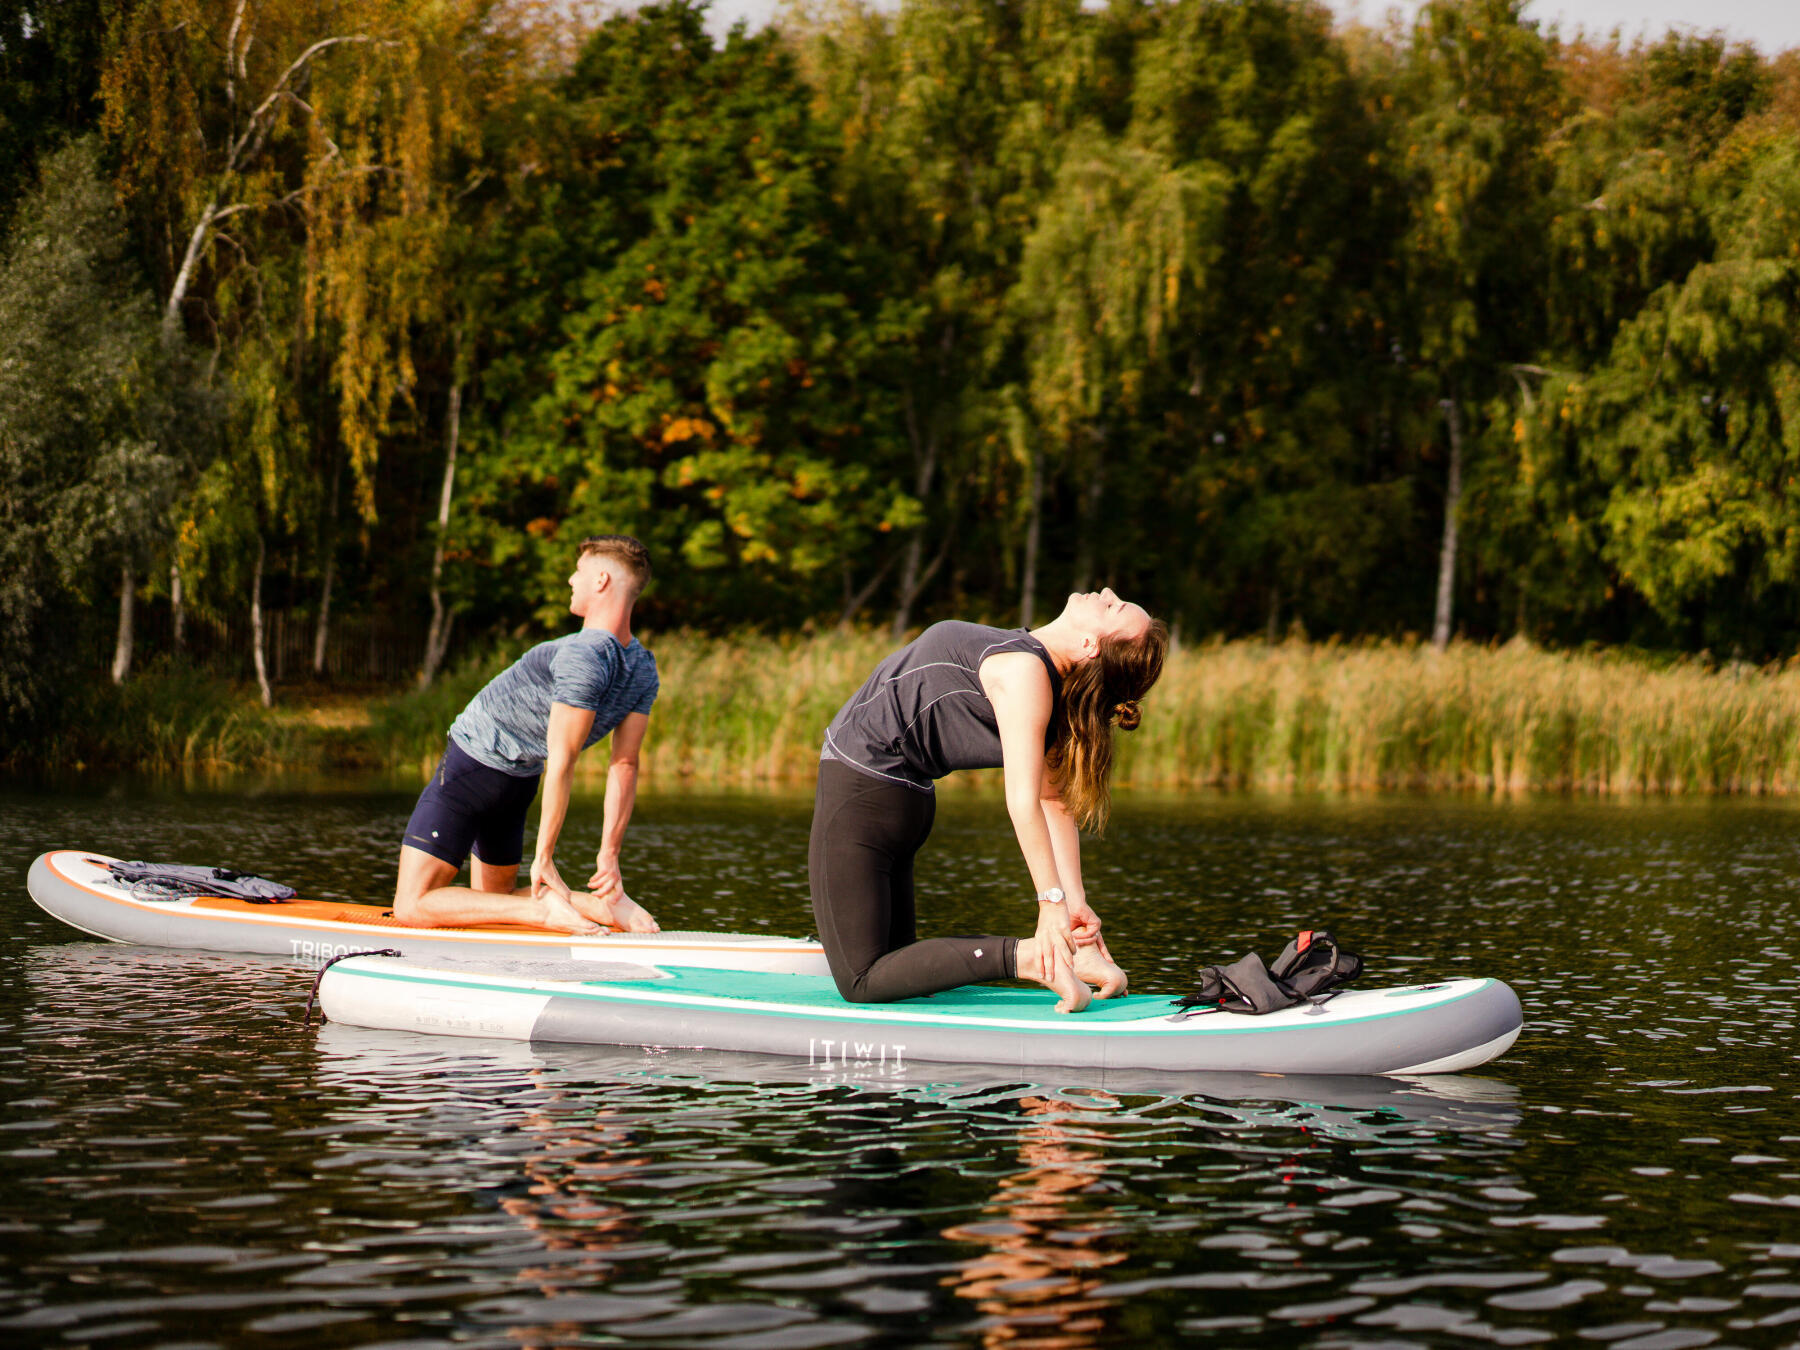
(749, 709)
(1511, 718)
(168, 715)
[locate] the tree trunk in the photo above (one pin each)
(1034, 532)
(1446, 587)
(256, 627)
(171, 320)
(121, 665)
(1090, 515)
(177, 610)
(322, 630)
(854, 601)
(437, 639)
(911, 582)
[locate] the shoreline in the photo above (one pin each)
(746, 711)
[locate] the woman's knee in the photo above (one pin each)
(853, 986)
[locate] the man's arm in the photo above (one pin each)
(569, 727)
(621, 796)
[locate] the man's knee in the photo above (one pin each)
(420, 872)
(409, 911)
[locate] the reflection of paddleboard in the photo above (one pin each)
(1434, 1028)
(396, 1063)
(76, 887)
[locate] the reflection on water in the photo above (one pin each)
(1045, 1238)
(181, 1163)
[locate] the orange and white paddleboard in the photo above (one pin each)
(75, 886)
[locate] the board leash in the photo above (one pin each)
(373, 951)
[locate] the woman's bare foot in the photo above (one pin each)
(622, 912)
(1094, 966)
(1060, 979)
(561, 916)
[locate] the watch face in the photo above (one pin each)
(1053, 896)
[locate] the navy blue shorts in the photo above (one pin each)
(469, 805)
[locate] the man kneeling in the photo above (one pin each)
(535, 717)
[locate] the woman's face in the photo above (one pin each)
(1101, 614)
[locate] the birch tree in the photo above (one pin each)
(300, 162)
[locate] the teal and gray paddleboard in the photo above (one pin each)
(1429, 1028)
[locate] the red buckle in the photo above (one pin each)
(1303, 941)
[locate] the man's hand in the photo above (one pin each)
(546, 880)
(606, 883)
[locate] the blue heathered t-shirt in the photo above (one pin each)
(507, 725)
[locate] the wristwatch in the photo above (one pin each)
(1053, 896)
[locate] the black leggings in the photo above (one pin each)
(864, 835)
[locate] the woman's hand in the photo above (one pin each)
(1055, 937)
(1084, 924)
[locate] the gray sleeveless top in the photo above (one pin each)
(923, 713)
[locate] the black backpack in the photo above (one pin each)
(1307, 971)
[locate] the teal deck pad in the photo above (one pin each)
(818, 992)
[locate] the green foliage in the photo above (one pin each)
(168, 717)
(684, 363)
(1688, 432)
(92, 422)
(855, 315)
(50, 57)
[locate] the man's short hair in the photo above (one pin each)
(628, 552)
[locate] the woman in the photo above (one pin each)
(1042, 705)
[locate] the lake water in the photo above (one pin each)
(182, 1163)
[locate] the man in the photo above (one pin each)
(533, 718)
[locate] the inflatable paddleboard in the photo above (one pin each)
(1418, 1029)
(1362, 1109)
(75, 887)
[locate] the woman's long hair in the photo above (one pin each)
(1098, 695)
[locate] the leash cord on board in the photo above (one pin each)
(373, 951)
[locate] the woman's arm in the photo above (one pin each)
(1065, 843)
(1019, 689)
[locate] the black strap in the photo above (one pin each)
(373, 951)
(1309, 969)
(1313, 962)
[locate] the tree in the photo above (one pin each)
(50, 60)
(1482, 97)
(1689, 430)
(1123, 250)
(89, 401)
(1273, 478)
(684, 333)
(301, 161)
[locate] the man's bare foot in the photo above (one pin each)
(1061, 980)
(620, 911)
(1094, 966)
(562, 917)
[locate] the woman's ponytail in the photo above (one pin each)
(1098, 695)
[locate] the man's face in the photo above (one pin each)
(1101, 614)
(585, 583)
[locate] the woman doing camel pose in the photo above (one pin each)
(1042, 705)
